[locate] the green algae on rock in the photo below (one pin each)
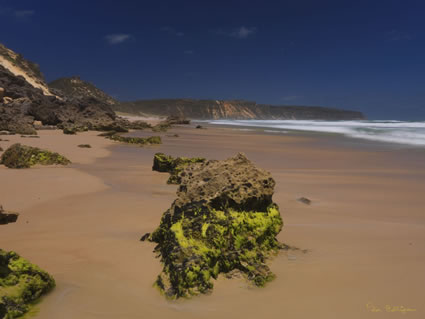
(174, 166)
(133, 140)
(22, 156)
(161, 127)
(21, 284)
(223, 220)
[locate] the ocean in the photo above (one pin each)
(400, 132)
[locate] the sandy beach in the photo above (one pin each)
(364, 231)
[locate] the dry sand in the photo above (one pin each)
(365, 229)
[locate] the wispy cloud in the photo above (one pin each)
(188, 52)
(396, 35)
(20, 14)
(117, 38)
(172, 31)
(17, 14)
(239, 32)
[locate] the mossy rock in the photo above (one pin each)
(21, 285)
(7, 217)
(134, 140)
(166, 163)
(22, 156)
(69, 130)
(161, 127)
(223, 221)
(74, 129)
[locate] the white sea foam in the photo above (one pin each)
(411, 133)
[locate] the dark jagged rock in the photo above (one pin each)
(223, 220)
(304, 200)
(7, 217)
(70, 130)
(75, 86)
(25, 99)
(84, 146)
(174, 166)
(21, 284)
(176, 119)
(22, 156)
(27, 104)
(135, 125)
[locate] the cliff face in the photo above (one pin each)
(74, 86)
(18, 66)
(233, 109)
(26, 98)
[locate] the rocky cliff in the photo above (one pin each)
(75, 86)
(26, 98)
(233, 109)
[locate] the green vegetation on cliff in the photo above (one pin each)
(21, 284)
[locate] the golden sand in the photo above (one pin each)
(364, 231)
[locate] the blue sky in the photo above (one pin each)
(363, 55)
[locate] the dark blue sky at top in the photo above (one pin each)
(363, 55)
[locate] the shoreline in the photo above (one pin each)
(364, 245)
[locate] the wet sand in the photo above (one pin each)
(365, 229)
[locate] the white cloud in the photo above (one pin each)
(172, 31)
(117, 38)
(24, 13)
(243, 32)
(239, 32)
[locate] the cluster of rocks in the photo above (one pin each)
(22, 156)
(174, 166)
(21, 284)
(7, 217)
(223, 221)
(21, 105)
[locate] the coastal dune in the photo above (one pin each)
(364, 232)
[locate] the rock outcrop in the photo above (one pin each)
(233, 109)
(176, 119)
(22, 156)
(7, 217)
(26, 98)
(174, 166)
(75, 86)
(223, 221)
(21, 284)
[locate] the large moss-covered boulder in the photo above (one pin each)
(174, 166)
(22, 156)
(21, 284)
(223, 221)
